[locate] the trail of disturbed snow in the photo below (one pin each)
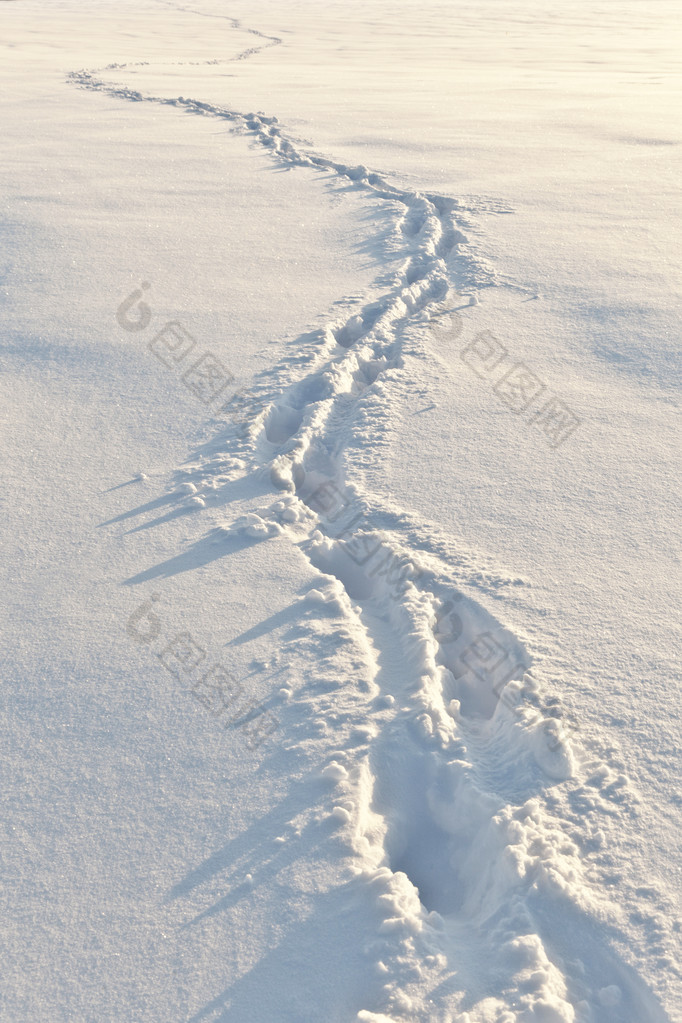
(467, 861)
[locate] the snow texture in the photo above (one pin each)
(285, 739)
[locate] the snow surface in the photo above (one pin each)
(339, 648)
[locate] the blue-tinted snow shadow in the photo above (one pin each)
(307, 947)
(217, 544)
(143, 509)
(255, 851)
(291, 615)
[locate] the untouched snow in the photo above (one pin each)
(342, 549)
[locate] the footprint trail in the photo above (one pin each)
(485, 907)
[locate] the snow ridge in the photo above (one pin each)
(483, 905)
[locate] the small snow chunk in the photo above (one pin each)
(610, 996)
(222, 532)
(335, 771)
(455, 709)
(362, 734)
(253, 525)
(339, 813)
(425, 726)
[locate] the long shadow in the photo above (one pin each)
(264, 869)
(176, 513)
(253, 847)
(210, 548)
(288, 615)
(158, 502)
(328, 935)
(120, 486)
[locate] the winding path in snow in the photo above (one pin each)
(464, 855)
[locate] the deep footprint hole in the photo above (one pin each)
(281, 423)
